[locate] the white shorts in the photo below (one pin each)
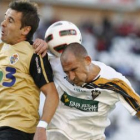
(55, 134)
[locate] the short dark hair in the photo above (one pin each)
(30, 15)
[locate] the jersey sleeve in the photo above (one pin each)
(131, 98)
(40, 69)
(130, 109)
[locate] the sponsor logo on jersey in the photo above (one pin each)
(37, 65)
(80, 104)
(14, 58)
(79, 90)
(95, 93)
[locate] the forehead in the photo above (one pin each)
(13, 14)
(69, 62)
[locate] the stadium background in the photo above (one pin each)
(111, 34)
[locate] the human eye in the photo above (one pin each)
(10, 20)
(74, 69)
(66, 72)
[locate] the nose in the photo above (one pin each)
(71, 76)
(3, 23)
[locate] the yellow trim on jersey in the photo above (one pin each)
(131, 104)
(122, 86)
(42, 66)
(138, 114)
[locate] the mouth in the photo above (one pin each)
(2, 33)
(78, 83)
(75, 82)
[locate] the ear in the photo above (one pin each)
(26, 30)
(88, 60)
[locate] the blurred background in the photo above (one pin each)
(111, 34)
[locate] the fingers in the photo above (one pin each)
(36, 43)
(44, 53)
(40, 47)
(39, 50)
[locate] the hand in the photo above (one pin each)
(40, 134)
(40, 47)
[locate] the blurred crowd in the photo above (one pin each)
(117, 46)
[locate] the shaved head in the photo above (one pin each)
(78, 65)
(76, 49)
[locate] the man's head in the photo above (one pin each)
(20, 22)
(76, 63)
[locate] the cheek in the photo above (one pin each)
(82, 76)
(15, 33)
(11, 30)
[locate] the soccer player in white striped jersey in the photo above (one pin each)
(88, 90)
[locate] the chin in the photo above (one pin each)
(3, 40)
(78, 84)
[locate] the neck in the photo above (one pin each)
(93, 72)
(18, 40)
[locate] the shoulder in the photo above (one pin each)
(24, 46)
(108, 72)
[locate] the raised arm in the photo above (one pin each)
(41, 71)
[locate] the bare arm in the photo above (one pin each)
(51, 103)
